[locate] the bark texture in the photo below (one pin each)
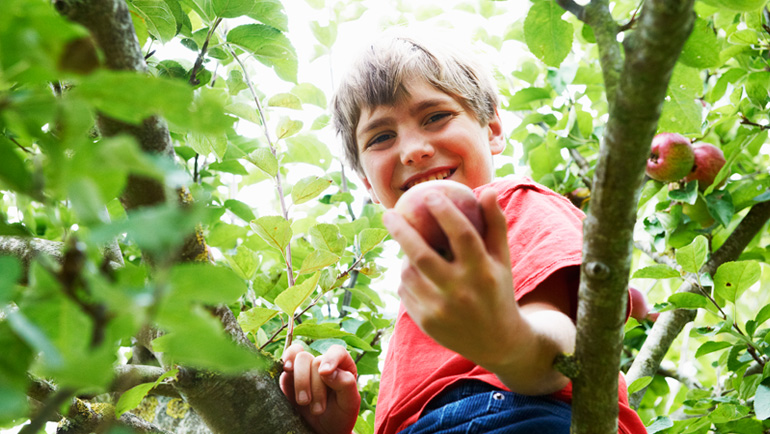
(651, 51)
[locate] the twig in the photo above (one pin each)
(583, 166)
(632, 21)
(746, 121)
(573, 8)
(199, 61)
(50, 408)
(19, 145)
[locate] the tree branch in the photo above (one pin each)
(635, 103)
(573, 8)
(670, 324)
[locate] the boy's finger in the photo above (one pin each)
(289, 355)
(287, 386)
(336, 357)
(496, 238)
(345, 386)
(318, 390)
(303, 364)
(464, 240)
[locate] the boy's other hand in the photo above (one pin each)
(324, 388)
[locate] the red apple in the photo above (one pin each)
(671, 157)
(411, 205)
(640, 310)
(709, 160)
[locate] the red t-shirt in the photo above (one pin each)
(544, 235)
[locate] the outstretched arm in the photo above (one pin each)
(468, 305)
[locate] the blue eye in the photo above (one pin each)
(379, 139)
(436, 117)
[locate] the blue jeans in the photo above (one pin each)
(476, 407)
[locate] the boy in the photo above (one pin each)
(475, 337)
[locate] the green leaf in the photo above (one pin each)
(317, 260)
(688, 300)
(305, 148)
(726, 412)
(275, 230)
(737, 5)
(720, 206)
(269, 46)
(264, 159)
(548, 36)
(287, 100)
(762, 401)
(326, 331)
(681, 112)
(205, 283)
(659, 424)
(733, 278)
(290, 299)
(131, 398)
(325, 35)
(310, 94)
(702, 48)
(240, 209)
(158, 16)
(327, 236)
(523, 99)
(763, 315)
(757, 88)
(370, 238)
(658, 271)
(252, 319)
(639, 384)
(710, 347)
(287, 127)
(689, 194)
(244, 262)
(196, 338)
(307, 188)
(13, 171)
(10, 272)
(693, 256)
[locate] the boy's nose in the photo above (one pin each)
(414, 151)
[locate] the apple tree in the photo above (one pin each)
(173, 212)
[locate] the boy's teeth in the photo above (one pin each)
(435, 176)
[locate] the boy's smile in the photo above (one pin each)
(426, 135)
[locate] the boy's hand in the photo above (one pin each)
(468, 305)
(324, 388)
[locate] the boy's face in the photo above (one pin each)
(429, 135)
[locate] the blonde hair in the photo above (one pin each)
(379, 75)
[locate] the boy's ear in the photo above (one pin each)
(370, 190)
(496, 139)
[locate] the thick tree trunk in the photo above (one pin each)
(636, 101)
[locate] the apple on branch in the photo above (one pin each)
(671, 157)
(709, 160)
(411, 205)
(640, 309)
